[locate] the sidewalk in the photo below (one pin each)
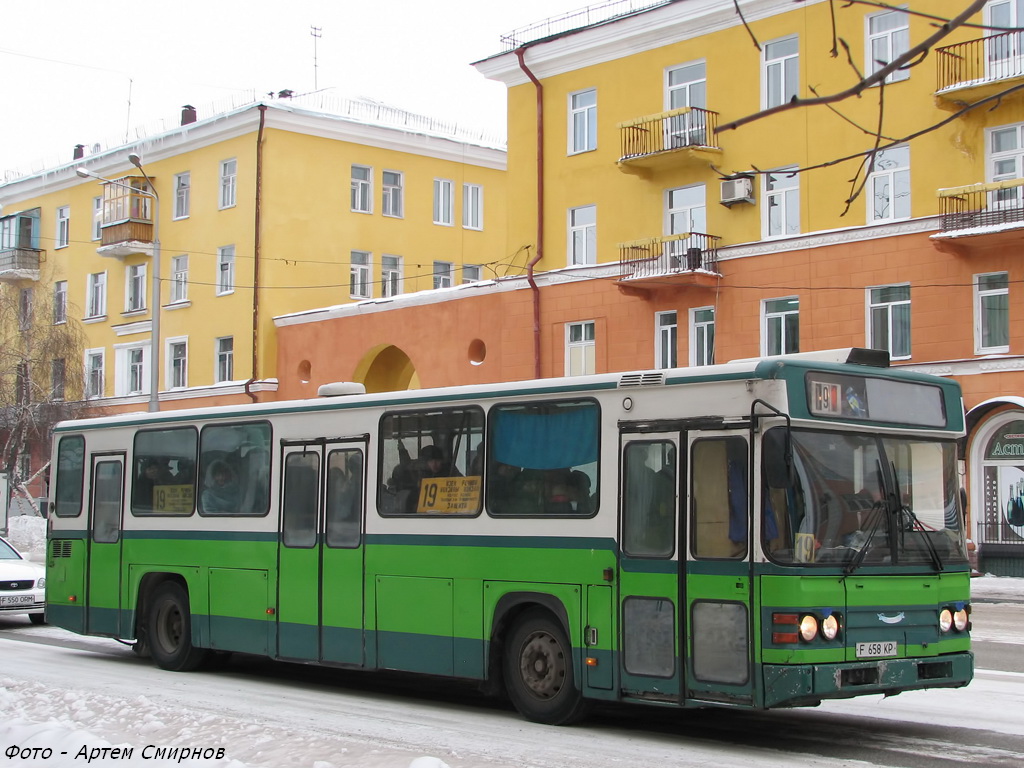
(997, 589)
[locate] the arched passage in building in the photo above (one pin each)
(386, 368)
(995, 466)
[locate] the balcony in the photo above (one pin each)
(981, 216)
(668, 139)
(673, 261)
(127, 227)
(972, 71)
(19, 264)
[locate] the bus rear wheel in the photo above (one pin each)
(169, 630)
(539, 674)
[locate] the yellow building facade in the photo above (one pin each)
(270, 208)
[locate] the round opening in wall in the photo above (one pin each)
(477, 351)
(305, 371)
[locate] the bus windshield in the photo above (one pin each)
(852, 499)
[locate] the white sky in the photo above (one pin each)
(70, 68)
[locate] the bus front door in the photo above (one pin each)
(717, 570)
(320, 584)
(649, 566)
(103, 583)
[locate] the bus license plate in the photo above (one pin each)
(16, 600)
(877, 650)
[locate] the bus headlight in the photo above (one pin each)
(960, 619)
(808, 628)
(830, 627)
(945, 620)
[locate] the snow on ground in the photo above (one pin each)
(34, 717)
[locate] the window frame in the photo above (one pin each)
(443, 275)
(767, 65)
(980, 295)
(786, 198)
(228, 197)
(473, 206)
(175, 374)
(95, 376)
(225, 283)
(890, 310)
(223, 360)
(96, 287)
(699, 344)
(444, 202)
(182, 195)
(587, 347)
(782, 316)
(179, 279)
(392, 202)
(60, 302)
(131, 369)
(666, 339)
(361, 190)
(62, 235)
(894, 173)
(391, 275)
(893, 47)
(584, 234)
(97, 218)
(360, 275)
(582, 116)
(135, 288)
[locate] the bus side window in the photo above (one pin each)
(70, 474)
(344, 498)
(719, 512)
(301, 496)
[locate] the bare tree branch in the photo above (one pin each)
(736, 5)
(922, 14)
(911, 57)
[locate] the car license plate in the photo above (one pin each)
(17, 600)
(877, 649)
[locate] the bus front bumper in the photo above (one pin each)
(808, 684)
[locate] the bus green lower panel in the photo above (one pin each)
(69, 617)
(231, 634)
(799, 685)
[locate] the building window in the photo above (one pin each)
(225, 347)
(131, 366)
(472, 206)
(992, 313)
(362, 189)
(58, 378)
(177, 364)
(686, 86)
(359, 275)
(391, 195)
(97, 218)
(60, 302)
(580, 349)
(135, 288)
(63, 235)
(25, 301)
(182, 194)
(702, 336)
(686, 212)
(390, 275)
(889, 320)
(583, 235)
(889, 185)
(781, 73)
(127, 200)
(444, 202)
(781, 327)
(583, 121)
(228, 183)
(93, 373)
(1006, 161)
(225, 270)
(666, 328)
(781, 204)
(888, 38)
(443, 274)
(179, 279)
(471, 273)
(96, 295)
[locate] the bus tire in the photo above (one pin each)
(37, 618)
(539, 676)
(169, 630)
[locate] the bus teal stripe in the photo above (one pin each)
(633, 565)
(514, 542)
(264, 536)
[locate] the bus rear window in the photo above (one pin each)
(164, 472)
(543, 459)
(70, 466)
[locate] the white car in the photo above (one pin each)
(22, 584)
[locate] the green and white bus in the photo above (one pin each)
(763, 533)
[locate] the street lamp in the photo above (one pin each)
(154, 329)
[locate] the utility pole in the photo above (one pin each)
(316, 34)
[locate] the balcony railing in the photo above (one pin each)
(683, 128)
(670, 255)
(976, 62)
(988, 207)
(19, 263)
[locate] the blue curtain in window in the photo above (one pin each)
(551, 440)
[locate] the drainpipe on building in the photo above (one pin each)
(256, 256)
(520, 52)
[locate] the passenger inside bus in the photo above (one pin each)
(220, 493)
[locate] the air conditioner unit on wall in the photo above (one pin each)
(738, 190)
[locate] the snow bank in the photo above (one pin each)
(28, 535)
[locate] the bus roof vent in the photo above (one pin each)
(877, 358)
(650, 379)
(339, 388)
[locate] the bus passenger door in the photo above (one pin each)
(320, 578)
(649, 567)
(717, 620)
(103, 590)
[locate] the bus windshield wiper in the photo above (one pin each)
(878, 513)
(915, 524)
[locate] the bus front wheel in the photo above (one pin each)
(539, 673)
(169, 630)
